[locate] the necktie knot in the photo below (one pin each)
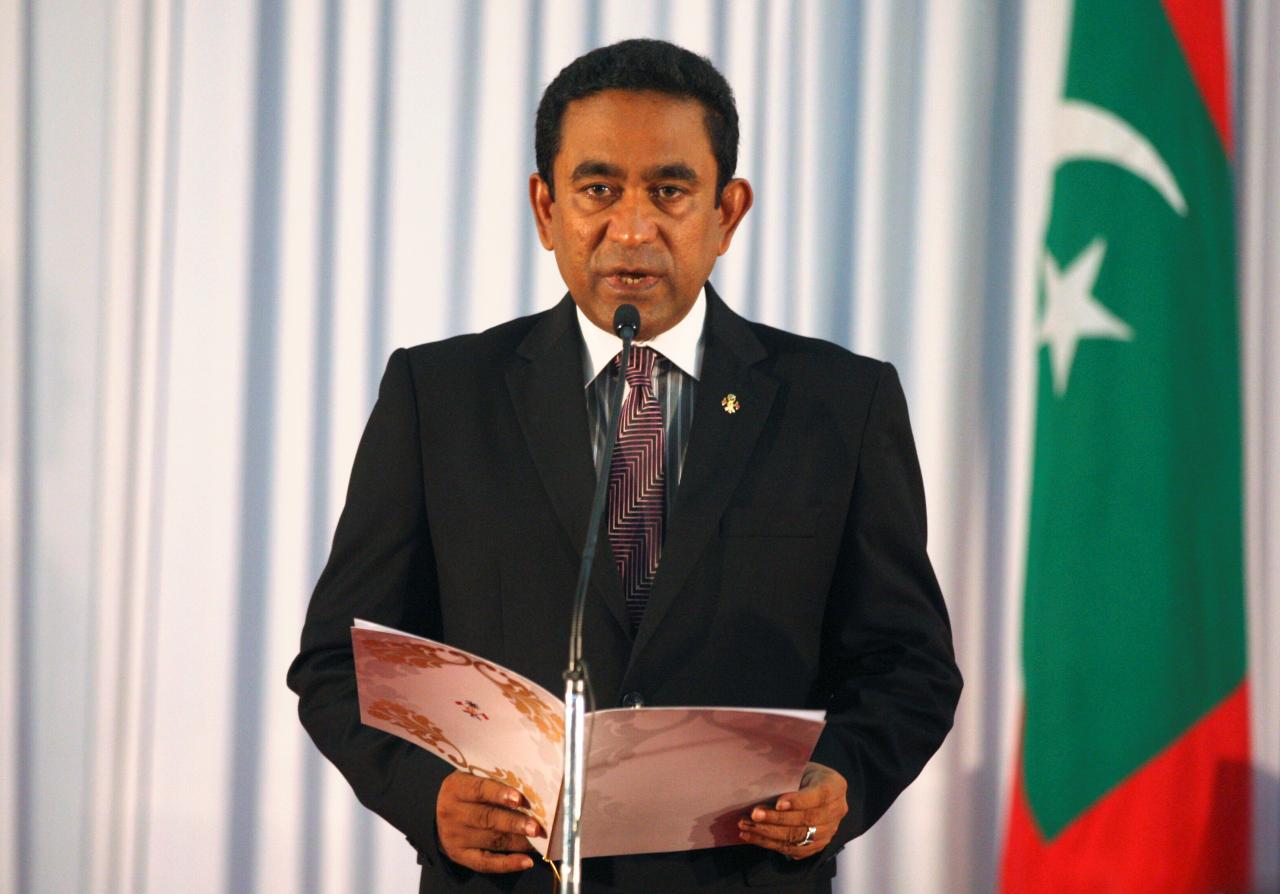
(640, 366)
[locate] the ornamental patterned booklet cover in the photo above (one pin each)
(658, 779)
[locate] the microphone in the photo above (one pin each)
(626, 323)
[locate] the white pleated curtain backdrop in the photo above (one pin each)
(218, 218)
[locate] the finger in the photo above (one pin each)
(474, 839)
(789, 834)
(487, 861)
(479, 790)
(751, 836)
(831, 811)
(807, 798)
(498, 819)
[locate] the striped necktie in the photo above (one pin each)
(636, 485)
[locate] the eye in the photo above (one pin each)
(669, 192)
(597, 190)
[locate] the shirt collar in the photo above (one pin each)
(681, 344)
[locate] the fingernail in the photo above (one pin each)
(784, 805)
(757, 814)
(526, 863)
(530, 828)
(746, 824)
(513, 798)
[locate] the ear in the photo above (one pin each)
(541, 201)
(735, 202)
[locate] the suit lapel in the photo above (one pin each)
(546, 388)
(720, 443)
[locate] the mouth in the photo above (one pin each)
(632, 280)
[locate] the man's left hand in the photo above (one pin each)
(819, 803)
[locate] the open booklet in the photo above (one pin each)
(657, 779)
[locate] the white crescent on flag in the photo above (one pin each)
(1086, 131)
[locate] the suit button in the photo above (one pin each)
(633, 700)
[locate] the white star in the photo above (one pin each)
(1071, 312)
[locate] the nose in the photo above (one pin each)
(631, 221)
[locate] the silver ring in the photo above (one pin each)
(808, 837)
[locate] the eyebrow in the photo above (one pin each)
(674, 171)
(593, 168)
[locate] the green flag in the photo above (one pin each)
(1133, 772)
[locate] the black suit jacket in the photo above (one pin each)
(793, 574)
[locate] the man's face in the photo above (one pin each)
(634, 219)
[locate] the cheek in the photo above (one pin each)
(711, 241)
(567, 231)
(577, 241)
(582, 244)
(573, 255)
(696, 250)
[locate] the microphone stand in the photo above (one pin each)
(626, 323)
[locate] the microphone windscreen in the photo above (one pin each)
(626, 316)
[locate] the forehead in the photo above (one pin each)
(634, 127)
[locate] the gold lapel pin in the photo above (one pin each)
(730, 404)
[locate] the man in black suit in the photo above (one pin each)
(792, 570)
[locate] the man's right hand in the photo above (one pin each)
(479, 827)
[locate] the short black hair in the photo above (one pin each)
(641, 64)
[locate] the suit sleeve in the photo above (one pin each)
(381, 568)
(887, 657)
